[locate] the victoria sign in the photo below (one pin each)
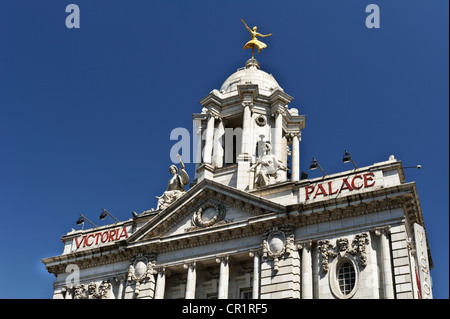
(101, 237)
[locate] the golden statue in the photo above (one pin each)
(254, 42)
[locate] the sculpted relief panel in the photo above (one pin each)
(357, 248)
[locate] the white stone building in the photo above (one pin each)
(250, 227)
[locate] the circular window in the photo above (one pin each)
(346, 277)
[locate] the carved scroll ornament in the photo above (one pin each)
(276, 243)
(357, 248)
(141, 268)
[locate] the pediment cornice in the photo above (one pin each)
(204, 194)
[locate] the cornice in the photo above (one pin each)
(402, 196)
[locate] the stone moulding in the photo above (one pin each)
(403, 196)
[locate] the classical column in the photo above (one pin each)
(307, 287)
(160, 283)
(191, 280)
(121, 279)
(256, 271)
(207, 156)
(246, 128)
(386, 262)
(218, 145)
(278, 134)
(224, 277)
(295, 157)
(197, 128)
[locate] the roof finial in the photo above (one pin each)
(254, 42)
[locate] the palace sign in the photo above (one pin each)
(101, 237)
(348, 183)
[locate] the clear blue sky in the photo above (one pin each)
(86, 114)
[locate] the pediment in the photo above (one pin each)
(205, 207)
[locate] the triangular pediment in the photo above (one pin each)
(207, 206)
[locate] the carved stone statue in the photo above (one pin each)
(266, 168)
(175, 187)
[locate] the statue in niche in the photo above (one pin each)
(175, 187)
(266, 168)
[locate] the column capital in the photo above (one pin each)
(213, 113)
(278, 109)
(120, 277)
(189, 264)
(247, 104)
(255, 252)
(225, 259)
(304, 244)
(378, 231)
(290, 135)
(160, 269)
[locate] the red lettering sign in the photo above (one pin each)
(346, 184)
(309, 189)
(350, 184)
(353, 182)
(79, 243)
(87, 240)
(102, 237)
(330, 189)
(368, 177)
(322, 191)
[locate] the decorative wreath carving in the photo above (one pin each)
(261, 120)
(200, 220)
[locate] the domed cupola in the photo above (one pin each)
(250, 74)
(248, 137)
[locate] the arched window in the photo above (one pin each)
(346, 277)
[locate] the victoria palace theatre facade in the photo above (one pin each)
(250, 225)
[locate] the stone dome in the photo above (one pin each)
(250, 74)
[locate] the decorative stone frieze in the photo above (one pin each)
(357, 248)
(91, 292)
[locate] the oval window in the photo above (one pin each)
(346, 276)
